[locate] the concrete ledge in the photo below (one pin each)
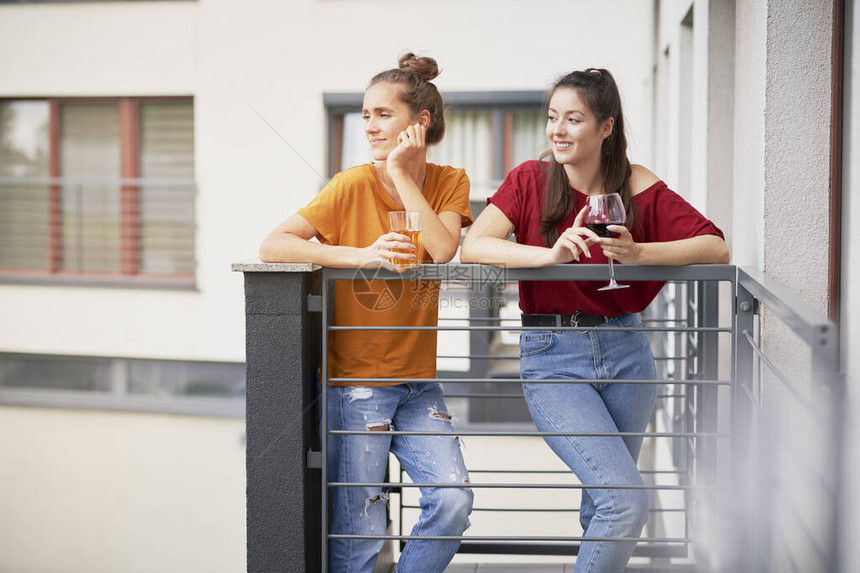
(258, 266)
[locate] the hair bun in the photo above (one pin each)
(424, 67)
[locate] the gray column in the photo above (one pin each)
(282, 353)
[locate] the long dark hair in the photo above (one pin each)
(413, 75)
(597, 88)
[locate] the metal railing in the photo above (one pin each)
(749, 426)
(788, 415)
(693, 390)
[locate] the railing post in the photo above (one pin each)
(282, 353)
(747, 521)
(706, 411)
(829, 384)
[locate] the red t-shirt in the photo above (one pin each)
(661, 215)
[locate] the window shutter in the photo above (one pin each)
(167, 193)
(90, 168)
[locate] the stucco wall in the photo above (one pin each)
(797, 148)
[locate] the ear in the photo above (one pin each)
(423, 119)
(606, 129)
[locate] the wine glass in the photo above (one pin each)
(606, 210)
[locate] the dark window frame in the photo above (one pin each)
(500, 104)
(119, 396)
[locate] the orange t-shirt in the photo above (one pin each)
(352, 210)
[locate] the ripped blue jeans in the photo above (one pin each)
(363, 458)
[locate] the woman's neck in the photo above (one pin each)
(416, 170)
(586, 178)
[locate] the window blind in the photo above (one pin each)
(90, 198)
(167, 207)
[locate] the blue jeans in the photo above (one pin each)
(363, 458)
(598, 407)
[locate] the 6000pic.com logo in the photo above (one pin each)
(373, 292)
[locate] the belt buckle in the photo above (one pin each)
(574, 319)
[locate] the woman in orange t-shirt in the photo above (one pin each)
(403, 113)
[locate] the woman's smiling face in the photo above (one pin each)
(385, 118)
(572, 129)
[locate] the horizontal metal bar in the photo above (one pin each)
(652, 550)
(525, 433)
(516, 357)
(562, 471)
(520, 396)
(812, 407)
(478, 357)
(807, 323)
(510, 538)
(486, 274)
(493, 396)
(532, 328)
(543, 510)
(520, 486)
(360, 381)
(478, 319)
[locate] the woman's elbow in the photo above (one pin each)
(467, 252)
(445, 256)
(721, 253)
(268, 252)
(264, 254)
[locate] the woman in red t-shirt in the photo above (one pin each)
(544, 205)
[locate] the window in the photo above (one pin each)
(101, 189)
(486, 133)
(98, 382)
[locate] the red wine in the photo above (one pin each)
(601, 230)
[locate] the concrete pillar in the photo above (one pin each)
(282, 353)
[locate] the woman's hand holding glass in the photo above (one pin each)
(621, 248)
(381, 252)
(573, 242)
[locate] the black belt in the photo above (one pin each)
(563, 320)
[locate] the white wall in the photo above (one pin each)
(276, 59)
(87, 492)
(748, 186)
(684, 66)
(91, 492)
